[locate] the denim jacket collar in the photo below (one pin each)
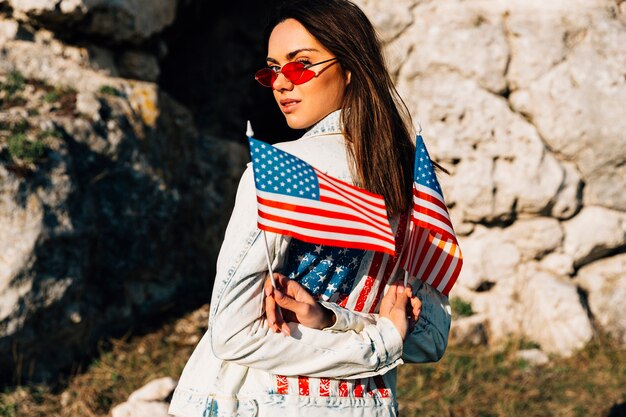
(329, 124)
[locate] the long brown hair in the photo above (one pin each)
(377, 125)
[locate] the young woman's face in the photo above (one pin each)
(305, 104)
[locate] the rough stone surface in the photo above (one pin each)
(605, 283)
(552, 313)
(593, 233)
(533, 357)
(125, 20)
(141, 409)
(522, 101)
(468, 331)
(156, 390)
(98, 231)
(148, 401)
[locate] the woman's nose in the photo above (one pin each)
(282, 83)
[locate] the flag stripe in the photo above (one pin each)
(424, 202)
(453, 276)
(366, 196)
(447, 267)
(392, 264)
(298, 200)
(308, 216)
(308, 237)
(369, 281)
(323, 230)
(433, 254)
(330, 197)
(426, 221)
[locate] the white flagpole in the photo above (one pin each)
(249, 134)
(267, 258)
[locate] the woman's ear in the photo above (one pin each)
(348, 76)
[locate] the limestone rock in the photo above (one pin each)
(502, 307)
(493, 254)
(141, 409)
(577, 105)
(534, 237)
(604, 281)
(487, 258)
(533, 356)
(558, 263)
(463, 37)
(568, 200)
(500, 166)
(389, 18)
(468, 331)
(8, 30)
(155, 390)
(126, 187)
(552, 313)
(147, 401)
(138, 65)
(593, 233)
(126, 20)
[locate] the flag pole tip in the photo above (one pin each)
(249, 131)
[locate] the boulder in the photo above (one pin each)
(470, 331)
(534, 357)
(125, 20)
(465, 38)
(97, 231)
(156, 390)
(500, 166)
(552, 314)
(593, 233)
(604, 282)
(576, 104)
(148, 401)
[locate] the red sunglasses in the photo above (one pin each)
(296, 72)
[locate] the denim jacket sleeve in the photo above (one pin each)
(239, 332)
(429, 338)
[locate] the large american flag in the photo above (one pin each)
(296, 199)
(433, 254)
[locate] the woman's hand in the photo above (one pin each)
(291, 302)
(401, 307)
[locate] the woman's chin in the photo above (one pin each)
(296, 123)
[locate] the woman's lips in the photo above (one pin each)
(288, 105)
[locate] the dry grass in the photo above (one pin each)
(468, 382)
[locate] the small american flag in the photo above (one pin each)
(433, 253)
(298, 200)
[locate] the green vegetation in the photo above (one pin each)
(14, 83)
(467, 382)
(21, 148)
(460, 308)
(51, 133)
(51, 96)
(109, 90)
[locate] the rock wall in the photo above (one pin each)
(523, 101)
(112, 203)
(113, 195)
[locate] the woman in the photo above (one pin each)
(336, 350)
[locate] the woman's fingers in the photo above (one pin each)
(388, 300)
(401, 299)
(272, 311)
(416, 307)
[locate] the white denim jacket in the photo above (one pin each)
(242, 368)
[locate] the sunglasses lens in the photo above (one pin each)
(265, 77)
(293, 71)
